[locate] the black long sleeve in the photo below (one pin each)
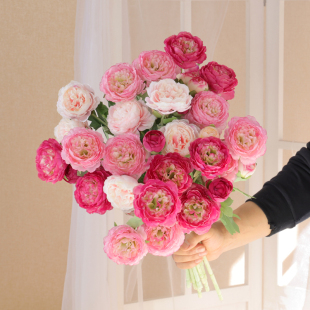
(285, 199)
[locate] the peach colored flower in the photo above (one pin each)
(209, 131)
(65, 125)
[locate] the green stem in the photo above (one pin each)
(99, 120)
(197, 279)
(245, 194)
(203, 276)
(216, 286)
(188, 279)
(196, 175)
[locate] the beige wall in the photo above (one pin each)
(36, 60)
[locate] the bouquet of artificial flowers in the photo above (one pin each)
(161, 158)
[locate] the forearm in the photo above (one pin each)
(253, 225)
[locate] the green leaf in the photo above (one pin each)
(188, 156)
(111, 103)
(81, 173)
(176, 80)
(228, 211)
(94, 123)
(227, 203)
(135, 222)
(181, 82)
(141, 178)
(144, 96)
(239, 179)
(237, 216)
(168, 120)
(115, 224)
(102, 111)
(193, 93)
(147, 241)
(229, 224)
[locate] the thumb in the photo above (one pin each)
(191, 240)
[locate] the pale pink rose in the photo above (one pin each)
(246, 139)
(83, 149)
(76, 101)
(167, 96)
(65, 125)
(186, 50)
(164, 241)
(179, 134)
(125, 154)
(130, 116)
(232, 170)
(121, 83)
(125, 245)
(209, 131)
(155, 65)
(50, 166)
(246, 171)
(119, 191)
(154, 141)
(194, 81)
(208, 109)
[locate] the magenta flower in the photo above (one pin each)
(221, 79)
(125, 155)
(154, 141)
(220, 189)
(121, 83)
(89, 192)
(210, 156)
(124, 245)
(71, 175)
(186, 50)
(157, 203)
(246, 139)
(171, 167)
(164, 241)
(199, 211)
(50, 166)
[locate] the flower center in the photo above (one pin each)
(195, 210)
(158, 202)
(211, 155)
(121, 80)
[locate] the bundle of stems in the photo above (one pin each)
(197, 277)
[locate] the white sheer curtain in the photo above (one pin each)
(91, 282)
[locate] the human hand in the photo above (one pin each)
(195, 247)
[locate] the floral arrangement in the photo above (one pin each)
(160, 157)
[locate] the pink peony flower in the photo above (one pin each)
(157, 203)
(209, 131)
(171, 167)
(208, 109)
(50, 166)
(232, 170)
(221, 79)
(71, 175)
(246, 139)
(89, 192)
(179, 134)
(119, 191)
(65, 125)
(125, 155)
(199, 211)
(210, 156)
(83, 149)
(124, 245)
(194, 81)
(130, 116)
(76, 101)
(246, 171)
(164, 241)
(155, 66)
(220, 189)
(186, 50)
(154, 141)
(121, 83)
(167, 96)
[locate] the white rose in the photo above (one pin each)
(65, 125)
(76, 101)
(119, 191)
(246, 171)
(130, 116)
(179, 134)
(167, 96)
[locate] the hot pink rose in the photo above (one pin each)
(199, 211)
(125, 154)
(220, 189)
(194, 81)
(76, 101)
(83, 149)
(186, 50)
(121, 83)
(246, 139)
(50, 166)
(230, 173)
(154, 141)
(89, 192)
(130, 116)
(164, 241)
(71, 175)
(124, 245)
(157, 203)
(155, 66)
(221, 79)
(246, 171)
(167, 96)
(210, 156)
(208, 109)
(171, 167)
